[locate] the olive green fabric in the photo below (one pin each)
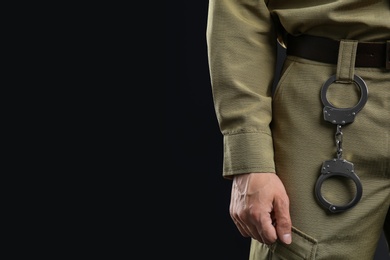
(241, 40)
(286, 132)
(303, 140)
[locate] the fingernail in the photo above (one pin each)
(287, 238)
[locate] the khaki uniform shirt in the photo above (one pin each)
(241, 38)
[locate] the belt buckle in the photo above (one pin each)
(388, 55)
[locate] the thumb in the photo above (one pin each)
(283, 221)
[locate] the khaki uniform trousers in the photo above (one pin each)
(303, 140)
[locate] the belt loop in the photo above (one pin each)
(346, 61)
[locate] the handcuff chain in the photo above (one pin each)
(339, 141)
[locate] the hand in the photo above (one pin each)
(259, 207)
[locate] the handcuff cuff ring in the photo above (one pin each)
(343, 116)
(338, 167)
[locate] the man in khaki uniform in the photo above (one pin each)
(310, 161)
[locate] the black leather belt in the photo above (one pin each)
(368, 54)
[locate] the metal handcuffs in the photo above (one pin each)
(339, 166)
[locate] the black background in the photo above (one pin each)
(195, 143)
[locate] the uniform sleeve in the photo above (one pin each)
(241, 42)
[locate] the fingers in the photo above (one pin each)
(244, 230)
(267, 230)
(259, 208)
(252, 221)
(249, 226)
